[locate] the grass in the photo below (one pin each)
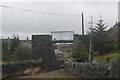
(106, 58)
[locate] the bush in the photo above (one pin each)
(80, 53)
(22, 53)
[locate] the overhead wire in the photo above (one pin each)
(37, 11)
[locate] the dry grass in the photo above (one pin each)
(53, 74)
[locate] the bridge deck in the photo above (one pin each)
(62, 41)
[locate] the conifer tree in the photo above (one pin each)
(102, 43)
(100, 26)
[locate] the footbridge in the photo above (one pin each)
(62, 36)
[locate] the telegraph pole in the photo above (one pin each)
(82, 24)
(90, 50)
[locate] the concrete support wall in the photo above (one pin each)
(42, 48)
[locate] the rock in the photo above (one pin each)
(28, 71)
(88, 69)
(36, 70)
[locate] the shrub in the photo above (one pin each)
(80, 53)
(22, 53)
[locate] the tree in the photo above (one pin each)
(14, 43)
(102, 43)
(100, 26)
(5, 51)
(80, 53)
(118, 36)
(9, 46)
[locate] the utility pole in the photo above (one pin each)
(90, 50)
(82, 24)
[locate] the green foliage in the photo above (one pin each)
(102, 42)
(106, 58)
(4, 45)
(118, 42)
(55, 46)
(14, 43)
(22, 53)
(12, 51)
(101, 26)
(9, 46)
(5, 51)
(118, 46)
(80, 53)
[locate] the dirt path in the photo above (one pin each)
(52, 74)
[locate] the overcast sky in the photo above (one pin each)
(25, 23)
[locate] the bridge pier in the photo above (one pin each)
(42, 47)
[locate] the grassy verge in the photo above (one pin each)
(106, 58)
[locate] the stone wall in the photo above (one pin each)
(87, 69)
(115, 69)
(11, 68)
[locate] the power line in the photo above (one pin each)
(37, 11)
